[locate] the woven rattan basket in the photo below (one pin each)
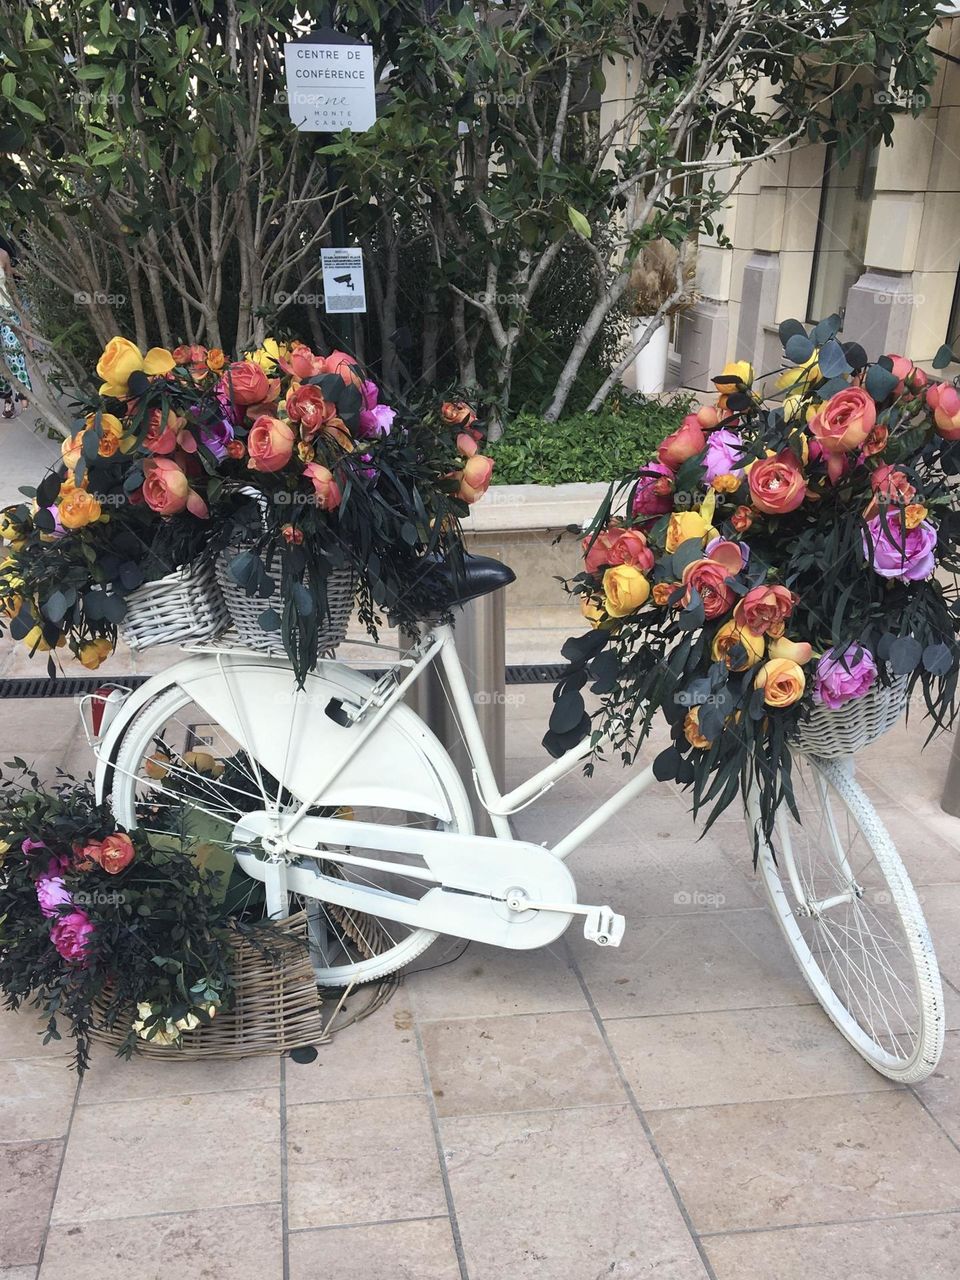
(830, 734)
(245, 610)
(276, 1006)
(185, 605)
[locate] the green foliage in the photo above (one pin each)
(591, 447)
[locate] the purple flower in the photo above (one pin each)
(744, 549)
(840, 678)
(71, 935)
(52, 894)
(374, 419)
(653, 495)
(724, 455)
(216, 436)
(898, 552)
(29, 845)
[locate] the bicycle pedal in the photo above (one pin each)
(604, 927)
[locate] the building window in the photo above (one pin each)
(838, 257)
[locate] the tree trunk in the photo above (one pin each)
(589, 330)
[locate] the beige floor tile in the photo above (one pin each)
(170, 1155)
(18, 1273)
(930, 856)
(564, 1195)
(399, 1250)
(231, 1244)
(487, 981)
(375, 1057)
(113, 1079)
(941, 908)
(703, 1059)
(28, 1178)
(21, 1036)
(809, 1160)
(922, 1248)
(362, 1161)
(494, 1065)
(36, 1098)
(941, 1091)
(693, 963)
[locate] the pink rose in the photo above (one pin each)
(269, 444)
(617, 546)
(764, 607)
(116, 853)
(167, 491)
(52, 894)
(71, 935)
(307, 406)
(653, 495)
(325, 488)
(376, 419)
(842, 425)
(686, 441)
(841, 678)
(475, 478)
(777, 484)
(944, 400)
(247, 381)
(894, 551)
(724, 455)
(302, 363)
(345, 365)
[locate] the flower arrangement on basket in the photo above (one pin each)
(768, 581)
(286, 455)
(96, 922)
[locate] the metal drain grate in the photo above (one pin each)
(77, 686)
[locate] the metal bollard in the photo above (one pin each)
(950, 800)
(480, 627)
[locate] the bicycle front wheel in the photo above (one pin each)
(853, 921)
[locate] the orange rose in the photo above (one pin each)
(307, 406)
(687, 440)
(691, 730)
(246, 382)
(782, 682)
(216, 359)
(301, 362)
(475, 478)
(269, 444)
(115, 853)
(617, 546)
(78, 508)
(345, 365)
(728, 638)
(876, 441)
(709, 578)
(843, 424)
(742, 519)
(325, 488)
(161, 437)
(71, 450)
(457, 413)
(467, 444)
(167, 491)
(762, 607)
(777, 484)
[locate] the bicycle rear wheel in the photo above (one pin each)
(852, 919)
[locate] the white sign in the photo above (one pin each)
(343, 287)
(330, 86)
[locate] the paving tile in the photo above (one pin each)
(564, 1195)
(113, 1079)
(480, 1065)
(930, 856)
(487, 981)
(28, 1178)
(362, 1161)
(940, 1093)
(170, 1155)
(374, 1057)
(701, 1059)
(231, 1244)
(18, 1273)
(926, 1247)
(36, 1098)
(810, 1160)
(21, 1036)
(693, 963)
(399, 1250)
(941, 908)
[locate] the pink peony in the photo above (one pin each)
(724, 455)
(52, 894)
(898, 552)
(653, 495)
(844, 677)
(71, 935)
(375, 419)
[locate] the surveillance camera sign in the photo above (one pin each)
(343, 287)
(330, 83)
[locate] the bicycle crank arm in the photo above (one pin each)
(601, 925)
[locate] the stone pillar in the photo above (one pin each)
(879, 310)
(758, 307)
(704, 330)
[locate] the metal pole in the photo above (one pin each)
(340, 322)
(950, 800)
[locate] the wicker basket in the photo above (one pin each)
(830, 734)
(276, 1006)
(185, 605)
(245, 610)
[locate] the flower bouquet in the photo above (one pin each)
(287, 452)
(774, 570)
(97, 922)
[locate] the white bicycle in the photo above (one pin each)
(340, 796)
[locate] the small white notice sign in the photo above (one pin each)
(343, 287)
(330, 83)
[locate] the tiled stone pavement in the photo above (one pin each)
(676, 1109)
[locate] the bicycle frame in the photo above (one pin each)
(438, 644)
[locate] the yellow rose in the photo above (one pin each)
(684, 525)
(736, 372)
(111, 433)
(77, 509)
(4, 850)
(157, 766)
(691, 730)
(34, 640)
(592, 610)
(268, 355)
(726, 483)
(120, 359)
(801, 377)
(158, 360)
(782, 682)
(796, 650)
(728, 637)
(624, 589)
(203, 762)
(94, 652)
